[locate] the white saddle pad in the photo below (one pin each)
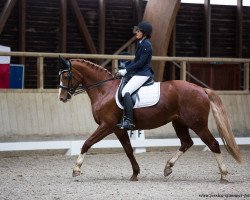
(147, 96)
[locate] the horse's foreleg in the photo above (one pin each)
(124, 139)
(79, 161)
(98, 135)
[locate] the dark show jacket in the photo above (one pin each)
(140, 66)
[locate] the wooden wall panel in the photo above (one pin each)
(33, 113)
(223, 31)
(245, 32)
(43, 25)
(216, 76)
(29, 114)
(89, 11)
(119, 24)
(190, 30)
(9, 35)
(42, 35)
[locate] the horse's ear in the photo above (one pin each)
(65, 63)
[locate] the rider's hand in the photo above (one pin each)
(122, 72)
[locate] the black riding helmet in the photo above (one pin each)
(144, 27)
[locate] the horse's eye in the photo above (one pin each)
(65, 75)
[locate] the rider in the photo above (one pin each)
(139, 69)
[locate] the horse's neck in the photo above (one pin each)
(98, 93)
(93, 75)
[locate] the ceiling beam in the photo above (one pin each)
(172, 52)
(163, 22)
(6, 13)
(63, 27)
(137, 11)
(239, 23)
(101, 26)
(207, 7)
(83, 27)
(22, 28)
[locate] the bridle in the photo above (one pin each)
(70, 89)
(81, 88)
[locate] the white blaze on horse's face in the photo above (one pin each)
(60, 90)
(63, 94)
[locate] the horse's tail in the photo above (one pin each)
(223, 125)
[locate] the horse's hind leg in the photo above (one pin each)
(213, 145)
(125, 141)
(186, 142)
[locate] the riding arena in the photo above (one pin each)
(61, 82)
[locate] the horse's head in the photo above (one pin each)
(69, 80)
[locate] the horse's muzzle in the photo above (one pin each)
(66, 98)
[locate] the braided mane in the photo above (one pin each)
(92, 65)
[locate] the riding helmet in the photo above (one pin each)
(144, 27)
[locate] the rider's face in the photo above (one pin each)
(138, 34)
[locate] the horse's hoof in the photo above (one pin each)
(167, 171)
(223, 180)
(133, 178)
(76, 173)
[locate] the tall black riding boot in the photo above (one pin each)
(127, 120)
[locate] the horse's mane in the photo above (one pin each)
(92, 65)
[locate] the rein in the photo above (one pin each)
(82, 89)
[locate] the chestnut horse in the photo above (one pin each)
(184, 104)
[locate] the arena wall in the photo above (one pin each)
(39, 114)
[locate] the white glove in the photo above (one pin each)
(122, 72)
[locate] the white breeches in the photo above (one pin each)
(134, 83)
